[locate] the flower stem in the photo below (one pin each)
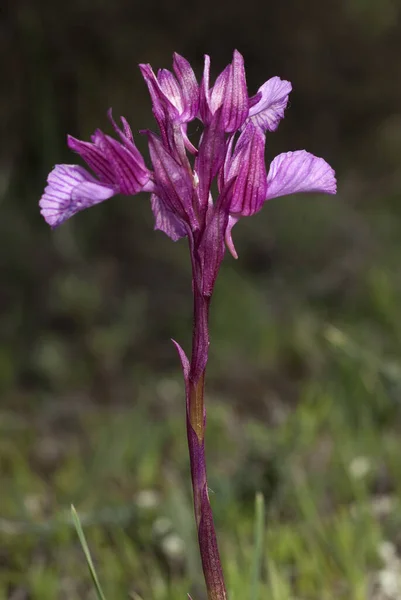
(196, 423)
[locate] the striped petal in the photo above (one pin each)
(166, 221)
(93, 157)
(130, 172)
(71, 189)
(189, 85)
(273, 98)
(300, 171)
(248, 166)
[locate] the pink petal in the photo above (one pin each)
(235, 102)
(130, 172)
(166, 221)
(189, 85)
(173, 181)
(93, 157)
(230, 93)
(269, 110)
(300, 171)
(71, 189)
(204, 93)
(171, 89)
(248, 166)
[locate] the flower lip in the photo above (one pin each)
(299, 172)
(71, 189)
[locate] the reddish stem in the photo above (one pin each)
(196, 423)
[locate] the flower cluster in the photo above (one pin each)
(230, 152)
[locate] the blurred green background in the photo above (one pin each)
(304, 380)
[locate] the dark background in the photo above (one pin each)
(86, 312)
(64, 65)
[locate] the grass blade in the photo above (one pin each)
(88, 557)
(258, 545)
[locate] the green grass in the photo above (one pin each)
(303, 414)
(126, 472)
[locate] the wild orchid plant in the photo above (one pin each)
(231, 153)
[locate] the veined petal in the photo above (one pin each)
(189, 86)
(269, 110)
(173, 181)
(204, 93)
(211, 248)
(94, 158)
(235, 101)
(125, 135)
(300, 171)
(230, 93)
(217, 93)
(248, 167)
(157, 96)
(71, 189)
(171, 89)
(166, 220)
(130, 172)
(210, 158)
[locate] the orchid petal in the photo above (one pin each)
(248, 166)
(230, 94)
(166, 221)
(210, 157)
(204, 93)
(235, 102)
(269, 110)
(171, 90)
(300, 171)
(173, 181)
(130, 172)
(93, 157)
(189, 85)
(71, 189)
